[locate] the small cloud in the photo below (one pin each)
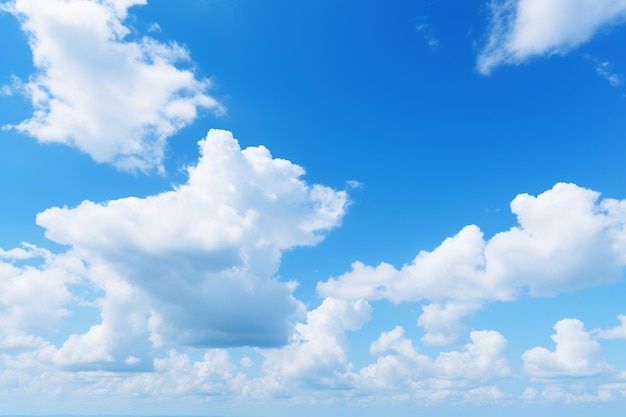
(246, 362)
(6, 91)
(433, 42)
(132, 360)
(16, 87)
(605, 70)
(618, 332)
(428, 32)
(530, 394)
(354, 184)
(154, 28)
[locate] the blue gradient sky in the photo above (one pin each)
(252, 208)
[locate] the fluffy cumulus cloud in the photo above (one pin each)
(317, 358)
(317, 354)
(193, 266)
(101, 90)
(33, 298)
(576, 354)
(400, 365)
(176, 374)
(566, 239)
(121, 341)
(522, 29)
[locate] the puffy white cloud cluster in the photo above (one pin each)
(317, 358)
(175, 374)
(400, 365)
(33, 299)
(522, 29)
(566, 239)
(95, 88)
(121, 341)
(317, 355)
(576, 354)
(193, 266)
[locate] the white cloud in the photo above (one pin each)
(317, 354)
(483, 358)
(176, 374)
(610, 391)
(442, 321)
(428, 32)
(317, 358)
(192, 266)
(154, 28)
(530, 394)
(575, 354)
(400, 366)
(33, 298)
(115, 98)
(570, 391)
(38, 297)
(195, 265)
(5, 90)
(16, 86)
(458, 259)
(120, 342)
(522, 29)
(566, 240)
(246, 362)
(618, 332)
(605, 70)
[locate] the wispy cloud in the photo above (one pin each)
(16, 87)
(605, 70)
(5, 90)
(428, 32)
(154, 28)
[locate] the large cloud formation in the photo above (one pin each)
(317, 358)
(566, 240)
(95, 88)
(192, 266)
(522, 29)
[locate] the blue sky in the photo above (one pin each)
(273, 208)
